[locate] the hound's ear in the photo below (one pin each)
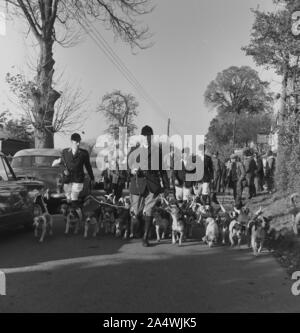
(259, 211)
(237, 211)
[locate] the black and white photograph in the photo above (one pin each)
(149, 159)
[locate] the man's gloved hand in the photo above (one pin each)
(134, 171)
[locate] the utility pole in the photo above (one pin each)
(172, 185)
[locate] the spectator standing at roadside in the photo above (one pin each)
(217, 172)
(236, 176)
(223, 183)
(183, 188)
(250, 169)
(207, 178)
(259, 173)
(107, 180)
(271, 171)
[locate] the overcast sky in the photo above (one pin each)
(194, 40)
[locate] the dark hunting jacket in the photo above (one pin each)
(74, 164)
(147, 180)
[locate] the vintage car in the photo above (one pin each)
(37, 164)
(19, 198)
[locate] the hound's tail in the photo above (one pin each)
(292, 199)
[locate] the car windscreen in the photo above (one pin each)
(33, 161)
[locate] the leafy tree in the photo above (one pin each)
(16, 128)
(272, 45)
(120, 110)
(218, 137)
(59, 21)
(291, 5)
(238, 90)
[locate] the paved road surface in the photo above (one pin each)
(70, 274)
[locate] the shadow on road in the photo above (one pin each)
(20, 248)
(106, 275)
(125, 277)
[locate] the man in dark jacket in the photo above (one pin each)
(271, 171)
(74, 159)
(107, 180)
(207, 178)
(217, 172)
(250, 169)
(259, 173)
(236, 176)
(145, 185)
(223, 182)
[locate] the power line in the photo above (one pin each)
(131, 79)
(119, 64)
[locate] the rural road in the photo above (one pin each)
(71, 274)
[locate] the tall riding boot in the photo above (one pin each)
(214, 198)
(140, 225)
(148, 222)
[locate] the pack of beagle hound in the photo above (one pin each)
(171, 220)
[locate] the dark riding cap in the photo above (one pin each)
(76, 137)
(147, 131)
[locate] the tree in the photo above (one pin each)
(119, 110)
(273, 45)
(16, 128)
(68, 111)
(237, 90)
(57, 21)
(248, 126)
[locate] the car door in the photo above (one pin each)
(12, 203)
